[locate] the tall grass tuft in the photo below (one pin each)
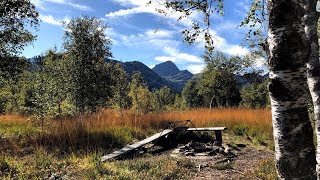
(108, 129)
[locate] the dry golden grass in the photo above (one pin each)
(200, 117)
(259, 119)
(13, 118)
(76, 144)
(109, 118)
(255, 121)
(111, 128)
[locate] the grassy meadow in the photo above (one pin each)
(72, 147)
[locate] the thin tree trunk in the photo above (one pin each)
(211, 103)
(289, 50)
(313, 69)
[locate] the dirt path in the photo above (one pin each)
(247, 160)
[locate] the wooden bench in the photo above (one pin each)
(132, 147)
(217, 131)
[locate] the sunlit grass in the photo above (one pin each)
(73, 146)
(127, 125)
(111, 128)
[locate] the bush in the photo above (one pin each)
(4, 166)
(240, 130)
(223, 165)
(254, 95)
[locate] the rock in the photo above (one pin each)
(198, 147)
(189, 154)
(221, 150)
(215, 148)
(176, 151)
(201, 154)
(230, 154)
(181, 146)
(212, 153)
(241, 145)
(54, 176)
(216, 143)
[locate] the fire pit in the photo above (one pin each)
(184, 140)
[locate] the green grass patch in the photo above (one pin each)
(223, 165)
(240, 130)
(265, 170)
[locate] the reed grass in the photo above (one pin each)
(108, 129)
(71, 147)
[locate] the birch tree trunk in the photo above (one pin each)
(289, 50)
(313, 69)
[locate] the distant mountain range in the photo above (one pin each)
(168, 74)
(165, 74)
(153, 80)
(173, 74)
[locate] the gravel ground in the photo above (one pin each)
(247, 159)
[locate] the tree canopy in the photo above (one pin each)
(15, 17)
(87, 45)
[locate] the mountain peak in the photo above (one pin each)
(167, 68)
(169, 71)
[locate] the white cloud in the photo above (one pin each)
(157, 39)
(221, 44)
(127, 12)
(110, 33)
(141, 6)
(57, 1)
(227, 26)
(49, 19)
(260, 62)
(175, 55)
(41, 4)
(130, 2)
(165, 58)
(195, 69)
(159, 33)
(234, 49)
(80, 7)
(243, 8)
(38, 3)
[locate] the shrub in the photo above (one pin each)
(240, 130)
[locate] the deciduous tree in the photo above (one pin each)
(217, 83)
(164, 98)
(15, 17)
(191, 95)
(120, 86)
(142, 98)
(88, 46)
(291, 41)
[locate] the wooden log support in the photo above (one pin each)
(217, 130)
(129, 148)
(218, 136)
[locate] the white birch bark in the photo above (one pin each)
(313, 69)
(289, 51)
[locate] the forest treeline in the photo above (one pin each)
(78, 80)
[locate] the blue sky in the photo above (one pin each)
(132, 27)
